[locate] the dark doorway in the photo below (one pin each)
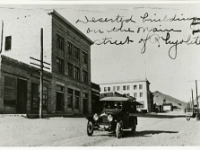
(21, 96)
(59, 101)
(35, 98)
(85, 103)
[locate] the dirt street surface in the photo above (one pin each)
(151, 131)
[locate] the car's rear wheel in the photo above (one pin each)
(90, 128)
(119, 129)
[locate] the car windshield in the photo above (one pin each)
(113, 105)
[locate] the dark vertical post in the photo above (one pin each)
(197, 95)
(41, 76)
(2, 37)
(192, 103)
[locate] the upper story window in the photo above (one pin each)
(108, 88)
(141, 94)
(70, 70)
(140, 86)
(114, 88)
(135, 94)
(85, 77)
(118, 88)
(76, 73)
(135, 87)
(60, 65)
(105, 89)
(8, 41)
(124, 87)
(76, 52)
(70, 48)
(85, 58)
(128, 87)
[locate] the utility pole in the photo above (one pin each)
(41, 76)
(197, 94)
(41, 73)
(192, 103)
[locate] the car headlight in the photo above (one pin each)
(110, 118)
(95, 117)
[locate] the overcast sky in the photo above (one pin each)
(111, 62)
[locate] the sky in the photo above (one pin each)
(146, 53)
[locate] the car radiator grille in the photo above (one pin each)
(103, 119)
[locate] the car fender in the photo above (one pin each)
(134, 119)
(90, 118)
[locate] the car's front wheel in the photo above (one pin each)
(90, 128)
(119, 129)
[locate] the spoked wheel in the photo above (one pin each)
(119, 129)
(187, 118)
(133, 129)
(90, 128)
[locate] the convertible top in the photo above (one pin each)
(121, 99)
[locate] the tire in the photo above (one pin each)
(119, 129)
(133, 129)
(90, 128)
(187, 118)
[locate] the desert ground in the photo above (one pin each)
(152, 130)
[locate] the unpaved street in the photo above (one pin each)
(151, 131)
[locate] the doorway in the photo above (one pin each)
(21, 96)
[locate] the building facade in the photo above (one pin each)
(137, 88)
(67, 82)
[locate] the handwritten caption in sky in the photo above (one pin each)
(154, 35)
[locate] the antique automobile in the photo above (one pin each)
(115, 116)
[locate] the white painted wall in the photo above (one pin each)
(25, 31)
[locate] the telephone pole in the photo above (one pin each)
(41, 74)
(197, 94)
(192, 102)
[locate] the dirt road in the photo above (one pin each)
(151, 131)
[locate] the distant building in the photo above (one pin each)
(136, 88)
(67, 84)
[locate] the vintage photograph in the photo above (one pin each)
(99, 74)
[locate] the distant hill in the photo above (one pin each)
(159, 97)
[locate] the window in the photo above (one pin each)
(77, 99)
(105, 89)
(135, 94)
(70, 98)
(70, 70)
(85, 77)
(76, 73)
(108, 88)
(85, 58)
(60, 44)
(141, 94)
(140, 86)
(135, 87)
(76, 52)
(118, 88)
(114, 88)
(10, 92)
(8, 42)
(128, 87)
(60, 65)
(124, 87)
(70, 50)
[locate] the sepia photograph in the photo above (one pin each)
(99, 74)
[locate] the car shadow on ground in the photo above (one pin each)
(145, 133)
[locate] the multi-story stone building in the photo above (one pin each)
(137, 88)
(67, 84)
